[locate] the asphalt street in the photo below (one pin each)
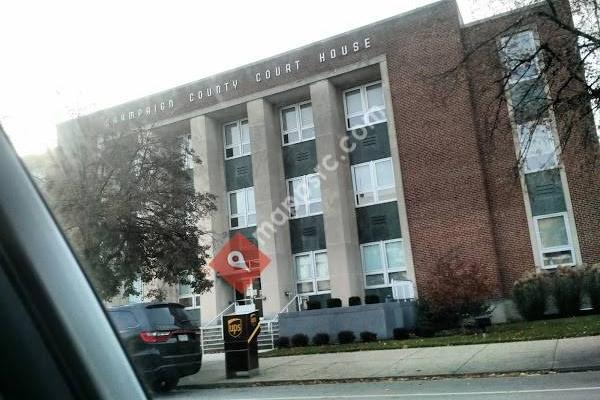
(563, 386)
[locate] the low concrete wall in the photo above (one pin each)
(379, 318)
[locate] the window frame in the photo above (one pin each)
(568, 247)
(385, 269)
(245, 192)
(241, 143)
(313, 280)
(373, 175)
(307, 202)
(299, 127)
(365, 112)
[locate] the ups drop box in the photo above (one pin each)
(240, 333)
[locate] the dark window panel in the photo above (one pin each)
(238, 173)
(546, 194)
(248, 233)
(375, 144)
(299, 159)
(307, 234)
(378, 222)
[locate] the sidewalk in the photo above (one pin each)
(543, 355)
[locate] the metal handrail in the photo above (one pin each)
(286, 308)
(220, 315)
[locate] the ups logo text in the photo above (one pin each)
(234, 327)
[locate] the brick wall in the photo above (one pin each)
(443, 181)
(497, 149)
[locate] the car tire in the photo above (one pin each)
(164, 385)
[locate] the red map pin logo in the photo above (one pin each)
(239, 262)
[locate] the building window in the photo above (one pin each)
(554, 239)
(188, 159)
(236, 139)
(528, 100)
(187, 297)
(312, 273)
(519, 53)
(304, 196)
(297, 123)
(242, 212)
(383, 262)
(373, 182)
(537, 148)
(138, 286)
(364, 105)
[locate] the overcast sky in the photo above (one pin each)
(60, 57)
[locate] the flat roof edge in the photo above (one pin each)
(519, 10)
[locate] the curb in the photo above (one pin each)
(231, 385)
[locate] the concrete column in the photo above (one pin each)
(341, 234)
(273, 232)
(207, 142)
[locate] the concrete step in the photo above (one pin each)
(213, 341)
(213, 335)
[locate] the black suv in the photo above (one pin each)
(162, 342)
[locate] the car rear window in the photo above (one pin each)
(166, 316)
(123, 319)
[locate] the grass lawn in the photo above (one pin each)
(513, 332)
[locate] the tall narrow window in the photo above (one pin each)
(312, 272)
(297, 123)
(236, 138)
(537, 149)
(554, 238)
(373, 182)
(383, 262)
(364, 105)
(242, 212)
(304, 194)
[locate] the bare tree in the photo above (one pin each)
(560, 75)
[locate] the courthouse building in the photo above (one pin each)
(361, 159)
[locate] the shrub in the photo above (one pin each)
(346, 337)
(591, 283)
(321, 339)
(313, 305)
(425, 325)
(334, 303)
(283, 342)
(401, 334)
(529, 295)
(566, 289)
(371, 299)
(367, 336)
(425, 331)
(299, 340)
(354, 301)
(459, 289)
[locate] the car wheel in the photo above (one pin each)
(165, 385)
